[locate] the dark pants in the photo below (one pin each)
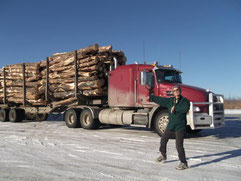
(179, 143)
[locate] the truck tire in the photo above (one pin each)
(4, 115)
(160, 122)
(71, 118)
(41, 117)
(87, 121)
(16, 115)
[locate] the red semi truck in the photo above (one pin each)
(128, 99)
(127, 102)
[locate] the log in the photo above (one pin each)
(56, 58)
(61, 95)
(19, 90)
(69, 74)
(33, 84)
(91, 68)
(85, 88)
(20, 70)
(66, 62)
(20, 95)
(33, 78)
(84, 60)
(93, 84)
(10, 78)
(71, 86)
(28, 78)
(105, 49)
(19, 83)
(27, 65)
(81, 53)
(19, 101)
(83, 72)
(93, 61)
(27, 74)
(65, 102)
(63, 68)
(69, 80)
(84, 79)
(88, 50)
(95, 92)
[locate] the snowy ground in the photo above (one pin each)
(51, 151)
(232, 111)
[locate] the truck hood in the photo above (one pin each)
(192, 93)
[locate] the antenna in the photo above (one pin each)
(180, 60)
(144, 56)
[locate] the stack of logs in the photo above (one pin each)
(93, 64)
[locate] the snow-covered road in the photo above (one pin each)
(51, 151)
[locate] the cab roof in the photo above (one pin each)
(145, 66)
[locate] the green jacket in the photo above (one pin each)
(177, 120)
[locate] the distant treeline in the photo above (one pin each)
(232, 103)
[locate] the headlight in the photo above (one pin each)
(196, 109)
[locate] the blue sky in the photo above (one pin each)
(206, 32)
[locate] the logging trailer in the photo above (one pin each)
(126, 102)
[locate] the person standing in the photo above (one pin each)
(178, 106)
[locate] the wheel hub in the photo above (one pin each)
(71, 118)
(86, 119)
(162, 123)
(11, 116)
(1, 115)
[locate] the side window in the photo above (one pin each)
(150, 79)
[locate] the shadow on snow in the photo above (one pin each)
(232, 129)
(225, 155)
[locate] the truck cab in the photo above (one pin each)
(128, 96)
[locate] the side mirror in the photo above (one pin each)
(143, 78)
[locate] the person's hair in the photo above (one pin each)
(178, 87)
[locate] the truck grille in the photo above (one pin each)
(217, 107)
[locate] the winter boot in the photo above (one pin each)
(182, 166)
(161, 159)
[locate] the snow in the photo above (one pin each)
(51, 151)
(232, 111)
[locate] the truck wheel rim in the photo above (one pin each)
(11, 116)
(40, 117)
(162, 123)
(1, 115)
(86, 119)
(71, 118)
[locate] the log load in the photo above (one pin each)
(93, 64)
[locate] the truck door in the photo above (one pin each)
(142, 91)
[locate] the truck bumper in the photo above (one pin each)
(211, 120)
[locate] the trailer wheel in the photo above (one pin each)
(41, 117)
(160, 122)
(71, 118)
(30, 116)
(4, 115)
(87, 121)
(16, 115)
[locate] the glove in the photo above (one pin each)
(151, 95)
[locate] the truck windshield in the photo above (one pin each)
(168, 76)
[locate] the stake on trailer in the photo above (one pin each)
(76, 74)
(24, 87)
(4, 90)
(47, 80)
